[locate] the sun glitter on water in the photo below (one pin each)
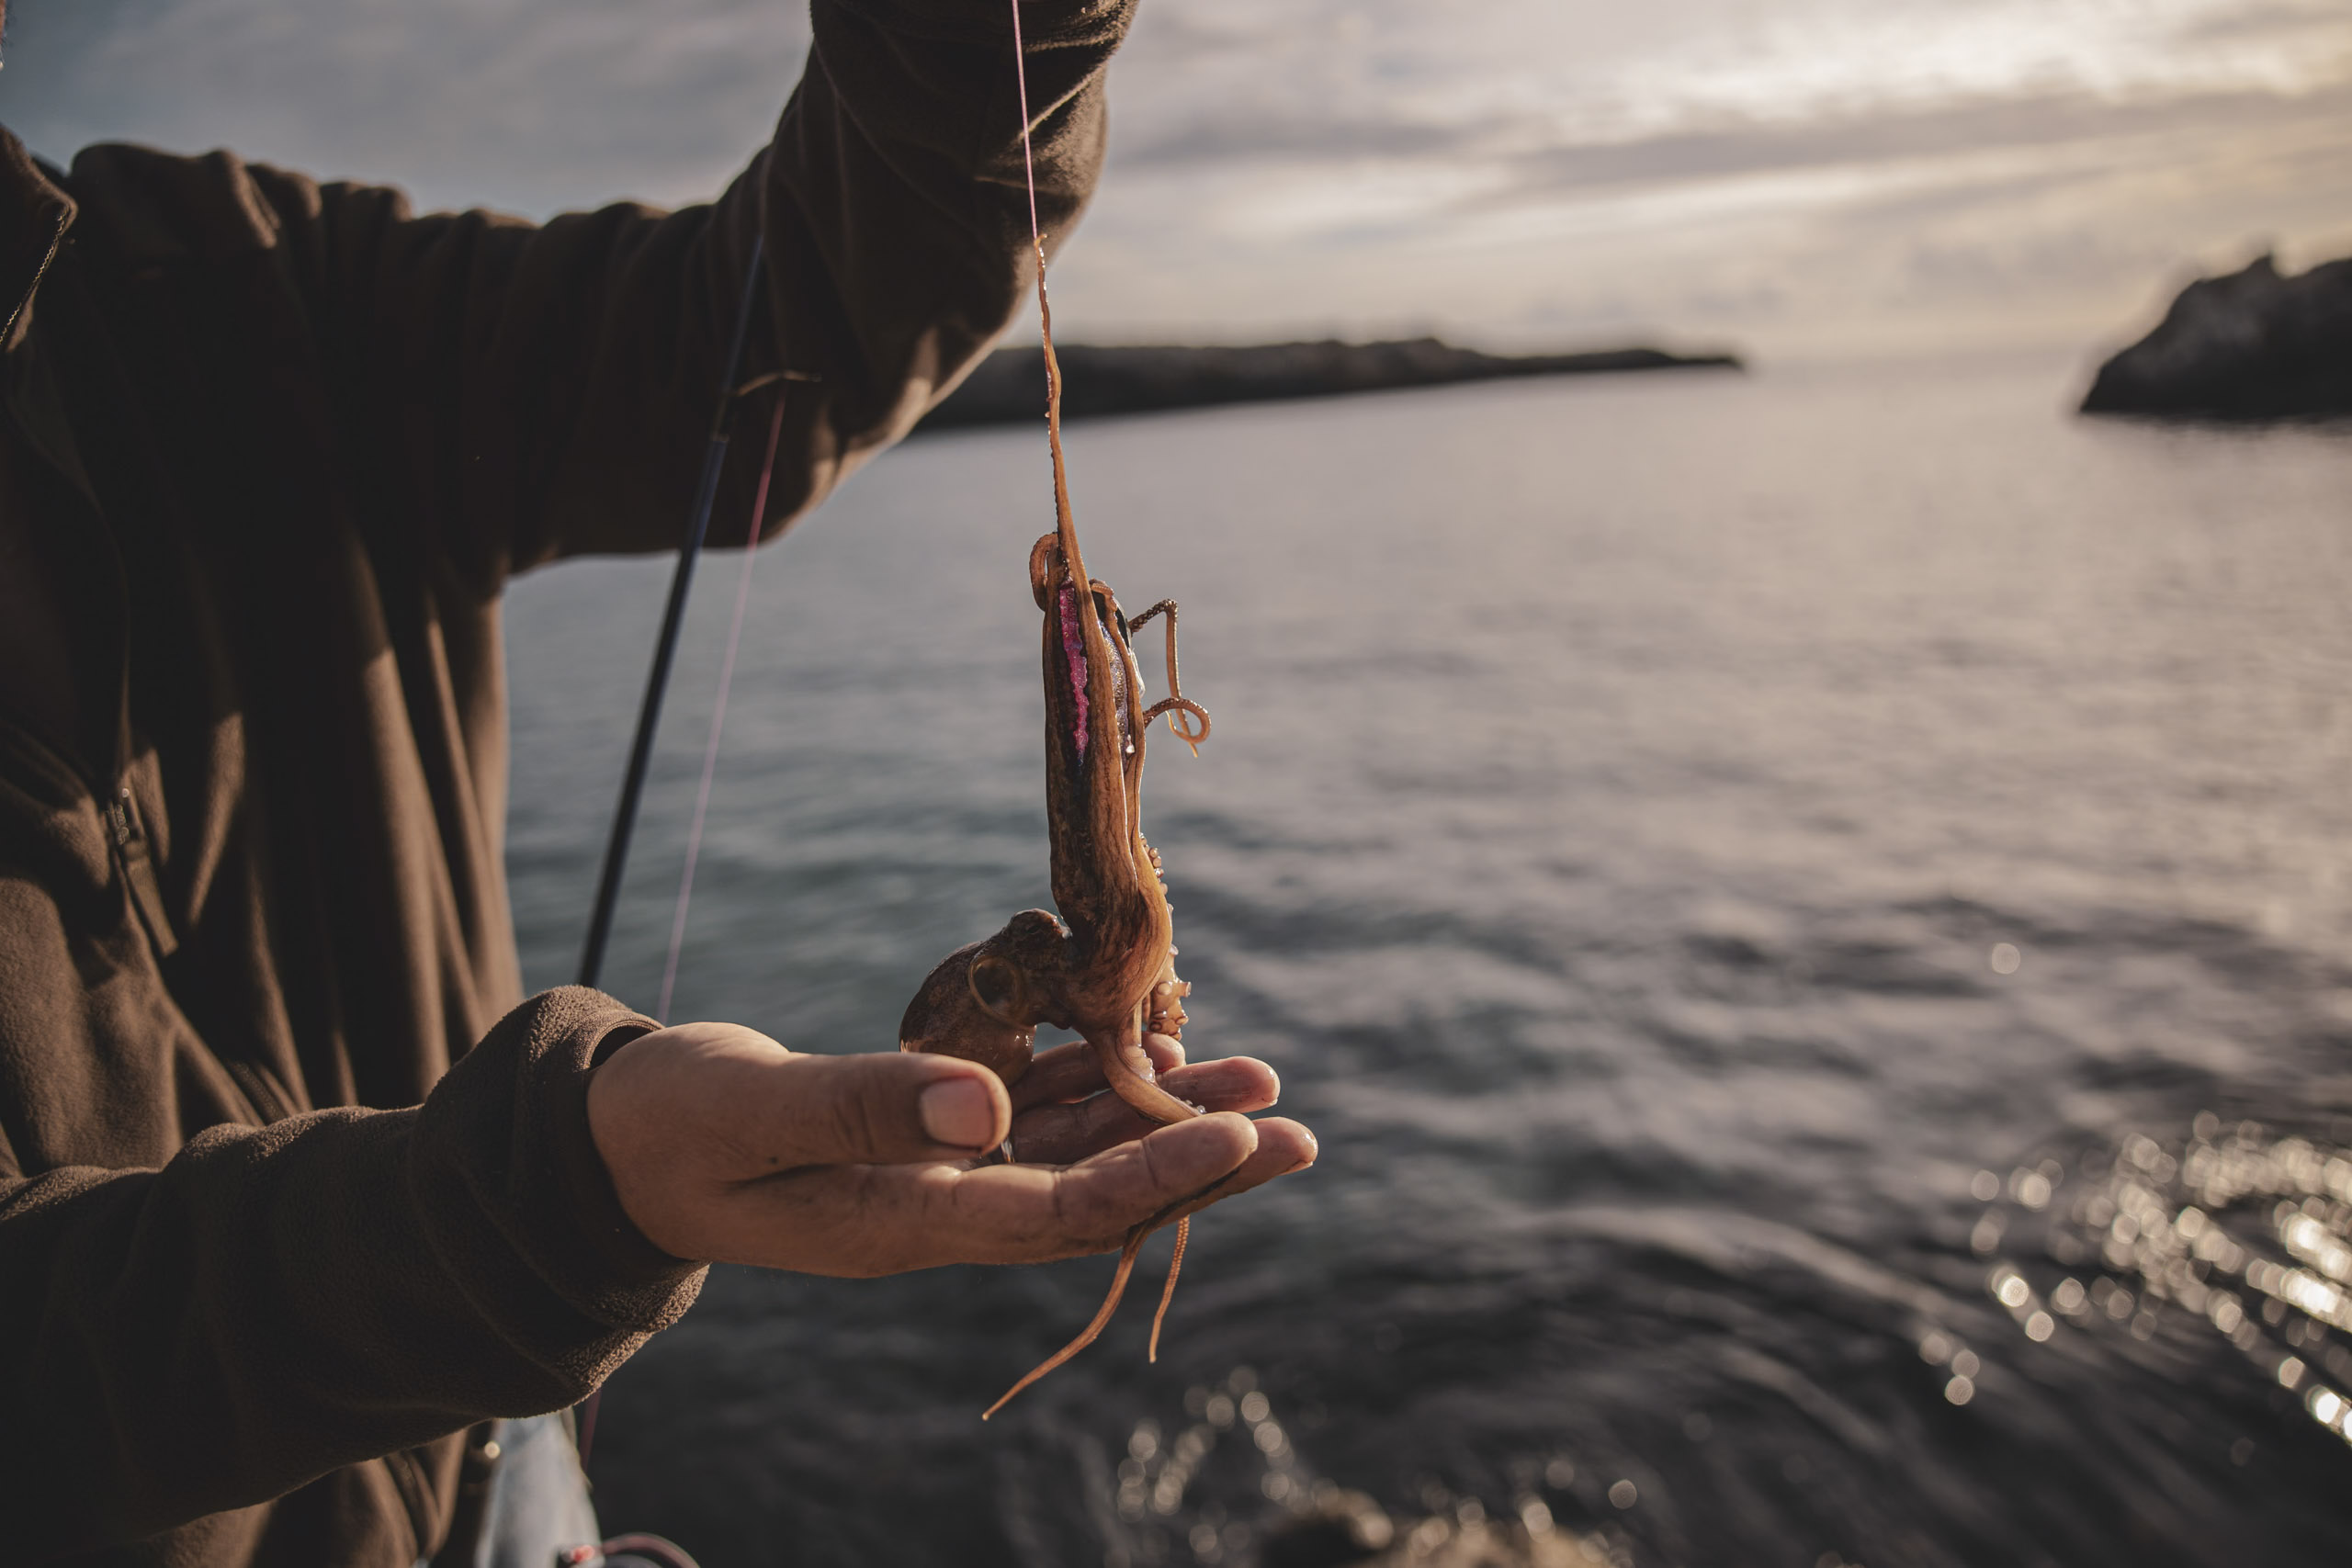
(2236, 1230)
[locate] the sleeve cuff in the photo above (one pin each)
(605, 1225)
(517, 1200)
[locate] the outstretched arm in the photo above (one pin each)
(502, 392)
(550, 390)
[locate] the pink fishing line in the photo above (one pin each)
(718, 710)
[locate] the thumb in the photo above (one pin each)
(876, 1108)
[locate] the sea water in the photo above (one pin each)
(1778, 893)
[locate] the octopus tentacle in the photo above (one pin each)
(1087, 1334)
(1167, 1291)
(1176, 702)
(1181, 1211)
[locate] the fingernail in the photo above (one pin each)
(958, 1111)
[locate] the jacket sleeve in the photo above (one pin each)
(275, 1302)
(548, 390)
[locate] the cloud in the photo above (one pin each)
(532, 104)
(1905, 134)
(1320, 135)
(1826, 172)
(1813, 172)
(1578, 73)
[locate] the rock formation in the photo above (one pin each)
(1010, 385)
(2252, 345)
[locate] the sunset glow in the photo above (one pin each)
(1822, 178)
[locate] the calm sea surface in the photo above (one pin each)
(1812, 913)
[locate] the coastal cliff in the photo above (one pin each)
(1010, 385)
(2252, 345)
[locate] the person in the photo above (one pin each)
(298, 1193)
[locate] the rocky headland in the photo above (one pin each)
(2253, 345)
(1010, 385)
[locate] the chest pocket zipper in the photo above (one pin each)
(129, 836)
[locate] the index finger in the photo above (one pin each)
(1067, 1134)
(1072, 1071)
(885, 1219)
(1012, 1214)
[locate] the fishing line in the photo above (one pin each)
(657, 681)
(1062, 523)
(1075, 565)
(702, 800)
(719, 709)
(665, 646)
(608, 885)
(1028, 158)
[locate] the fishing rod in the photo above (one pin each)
(656, 682)
(665, 645)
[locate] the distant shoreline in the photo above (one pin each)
(2256, 344)
(1009, 387)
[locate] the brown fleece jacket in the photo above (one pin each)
(286, 1204)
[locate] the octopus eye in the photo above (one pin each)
(996, 985)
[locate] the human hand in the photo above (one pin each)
(725, 1148)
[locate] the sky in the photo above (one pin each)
(1806, 179)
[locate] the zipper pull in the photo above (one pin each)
(129, 835)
